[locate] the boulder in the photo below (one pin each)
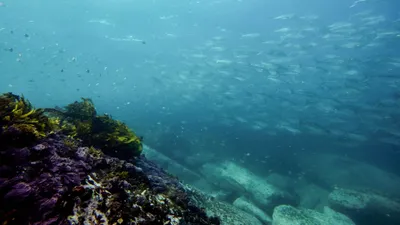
(227, 213)
(249, 207)
(365, 207)
(289, 215)
(231, 176)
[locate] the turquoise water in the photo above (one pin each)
(304, 90)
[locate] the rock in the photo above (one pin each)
(231, 215)
(288, 215)
(228, 213)
(365, 207)
(230, 176)
(247, 206)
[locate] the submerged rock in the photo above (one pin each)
(365, 207)
(288, 215)
(249, 207)
(231, 176)
(227, 213)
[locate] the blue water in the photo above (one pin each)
(268, 84)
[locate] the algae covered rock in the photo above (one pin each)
(365, 207)
(289, 215)
(54, 183)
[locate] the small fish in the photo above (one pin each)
(251, 35)
(223, 61)
(356, 2)
(284, 17)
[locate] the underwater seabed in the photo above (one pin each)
(334, 190)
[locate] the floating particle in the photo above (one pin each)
(62, 70)
(87, 71)
(26, 35)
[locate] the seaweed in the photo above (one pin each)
(80, 120)
(21, 124)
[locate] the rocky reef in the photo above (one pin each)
(71, 166)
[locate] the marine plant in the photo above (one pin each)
(114, 138)
(83, 110)
(20, 123)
